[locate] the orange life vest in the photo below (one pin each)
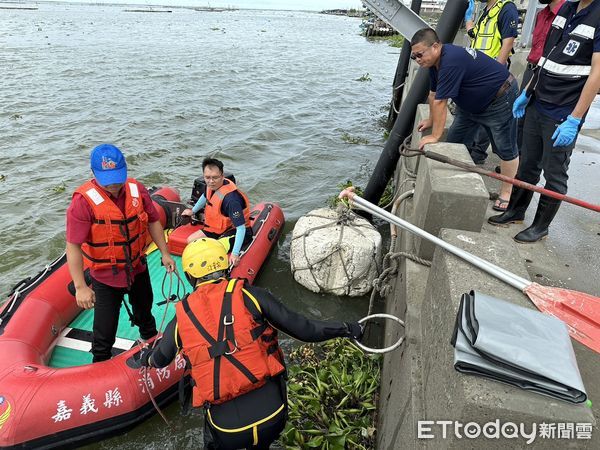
(214, 220)
(232, 349)
(116, 240)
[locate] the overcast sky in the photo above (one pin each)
(316, 5)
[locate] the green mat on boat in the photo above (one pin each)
(66, 356)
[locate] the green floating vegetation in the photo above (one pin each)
(354, 139)
(2, 177)
(59, 187)
(333, 201)
(397, 40)
(365, 77)
(333, 392)
(386, 198)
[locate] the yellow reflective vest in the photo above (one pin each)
(487, 35)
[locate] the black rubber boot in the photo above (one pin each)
(515, 212)
(546, 211)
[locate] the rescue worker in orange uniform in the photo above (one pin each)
(226, 210)
(228, 334)
(108, 222)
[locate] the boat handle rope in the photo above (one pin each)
(21, 287)
(386, 349)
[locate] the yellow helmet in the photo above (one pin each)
(204, 256)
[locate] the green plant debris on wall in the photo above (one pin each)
(333, 392)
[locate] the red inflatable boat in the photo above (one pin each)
(51, 395)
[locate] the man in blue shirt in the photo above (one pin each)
(494, 34)
(483, 90)
(554, 104)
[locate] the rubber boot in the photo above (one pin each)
(515, 212)
(546, 211)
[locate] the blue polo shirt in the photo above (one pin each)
(574, 18)
(469, 77)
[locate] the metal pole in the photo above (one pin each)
(448, 26)
(500, 273)
(401, 74)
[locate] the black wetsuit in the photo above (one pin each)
(266, 397)
(276, 313)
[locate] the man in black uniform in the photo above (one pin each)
(566, 82)
(228, 334)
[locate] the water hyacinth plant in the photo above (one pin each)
(332, 395)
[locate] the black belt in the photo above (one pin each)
(505, 86)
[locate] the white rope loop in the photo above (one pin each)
(380, 350)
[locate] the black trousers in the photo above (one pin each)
(538, 153)
(106, 313)
(244, 410)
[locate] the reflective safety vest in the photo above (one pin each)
(567, 59)
(232, 349)
(214, 220)
(487, 35)
(116, 240)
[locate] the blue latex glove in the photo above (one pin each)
(519, 105)
(566, 132)
(470, 10)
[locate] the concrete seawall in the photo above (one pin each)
(419, 382)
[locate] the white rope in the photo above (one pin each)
(17, 292)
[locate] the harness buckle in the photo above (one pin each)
(235, 348)
(225, 322)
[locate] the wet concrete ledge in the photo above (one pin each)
(419, 382)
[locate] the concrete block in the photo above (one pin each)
(413, 68)
(447, 197)
(422, 114)
(449, 395)
(401, 393)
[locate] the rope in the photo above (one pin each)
(381, 284)
(169, 297)
(21, 286)
(345, 218)
(406, 150)
(145, 376)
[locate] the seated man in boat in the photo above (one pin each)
(228, 331)
(226, 210)
(108, 222)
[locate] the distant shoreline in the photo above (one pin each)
(172, 7)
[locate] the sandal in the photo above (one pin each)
(501, 204)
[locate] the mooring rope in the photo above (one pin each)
(168, 298)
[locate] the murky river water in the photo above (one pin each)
(270, 93)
